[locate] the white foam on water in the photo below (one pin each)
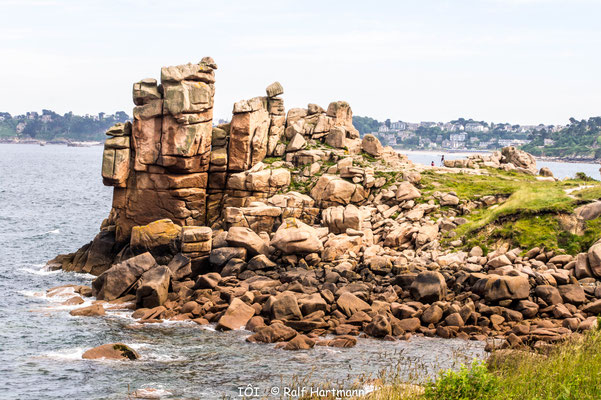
(210, 327)
(32, 293)
(155, 353)
(65, 354)
(52, 232)
(40, 271)
(150, 393)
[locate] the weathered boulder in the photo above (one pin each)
(426, 234)
(275, 89)
(332, 190)
(371, 145)
(296, 237)
(406, 191)
(520, 159)
(432, 315)
(153, 287)
(428, 287)
(593, 307)
(111, 351)
(220, 256)
(236, 316)
(208, 281)
(573, 294)
(349, 304)
(549, 294)
(339, 219)
(249, 130)
(276, 332)
(120, 278)
(338, 246)
(589, 211)
(594, 259)
(311, 303)
(94, 310)
(379, 327)
(300, 342)
(506, 287)
(157, 235)
(581, 267)
(180, 267)
(145, 91)
(296, 143)
(248, 239)
(285, 306)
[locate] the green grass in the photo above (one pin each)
(527, 218)
(472, 187)
(589, 194)
(531, 199)
(571, 370)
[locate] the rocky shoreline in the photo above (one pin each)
(293, 227)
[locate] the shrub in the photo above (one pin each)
(475, 382)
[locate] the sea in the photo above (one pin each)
(52, 201)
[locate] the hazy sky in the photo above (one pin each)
(521, 61)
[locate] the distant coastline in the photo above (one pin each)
(581, 160)
(67, 142)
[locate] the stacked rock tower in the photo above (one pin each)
(173, 163)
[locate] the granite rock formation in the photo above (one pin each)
(291, 225)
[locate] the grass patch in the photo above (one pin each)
(589, 194)
(473, 187)
(529, 216)
(533, 199)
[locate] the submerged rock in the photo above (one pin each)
(111, 351)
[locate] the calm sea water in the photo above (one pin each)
(560, 169)
(52, 201)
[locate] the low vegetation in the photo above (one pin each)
(570, 370)
(579, 139)
(534, 214)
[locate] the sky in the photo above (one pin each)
(518, 61)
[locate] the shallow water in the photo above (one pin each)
(52, 201)
(560, 170)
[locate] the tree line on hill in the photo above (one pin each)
(580, 139)
(50, 125)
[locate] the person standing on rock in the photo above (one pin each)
(442, 161)
(432, 164)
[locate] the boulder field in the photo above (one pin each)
(288, 224)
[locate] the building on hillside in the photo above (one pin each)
(383, 128)
(398, 126)
(548, 142)
(474, 127)
(458, 137)
(405, 135)
(456, 128)
(487, 144)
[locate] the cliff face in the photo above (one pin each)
(172, 163)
